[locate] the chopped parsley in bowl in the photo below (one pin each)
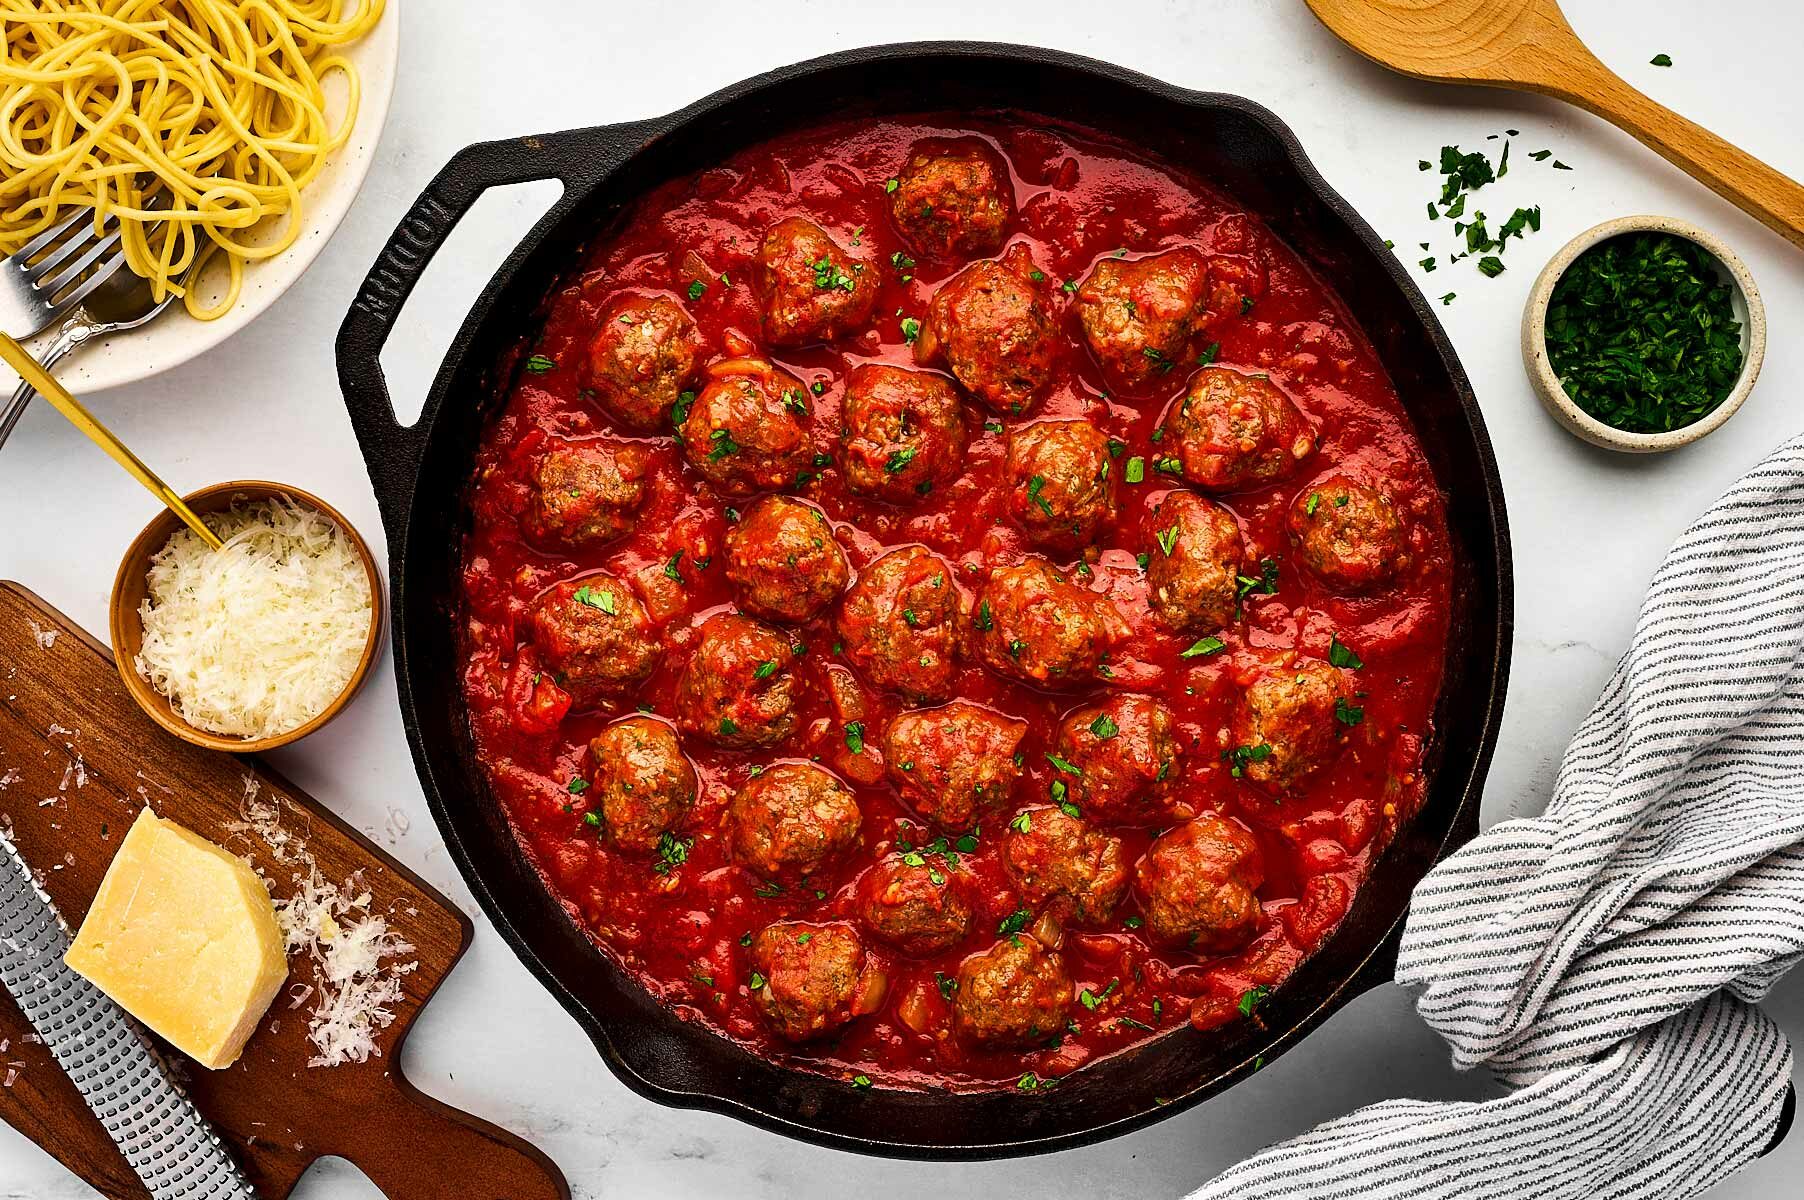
(1643, 334)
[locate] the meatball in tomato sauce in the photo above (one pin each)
(1288, 721)
(791, 821)
(645, 353)
(1196, 885)
(748, 430)
(1035, 626)
(1348, 534)
(812, 289)
(899, 623)
(783, 560)
(813, 978)
(1124, 758)
(904, 432)
(991, 327)
(594, 637)
(955, 764)
(1012, 996)
(1194, 551)
(915, 903)
(1061, 483)
(952, 201)
(738, 689)
(644, 785)
(1232, 430)
(1065, 865)
(1145, 318)
(586, 493)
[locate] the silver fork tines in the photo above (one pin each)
(46, 277)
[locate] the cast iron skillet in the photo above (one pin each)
(419, 474)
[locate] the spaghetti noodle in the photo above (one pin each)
(192, 122)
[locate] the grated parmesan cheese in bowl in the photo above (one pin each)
(261, 637)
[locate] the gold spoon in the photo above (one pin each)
(21, 361)
(1527, 46)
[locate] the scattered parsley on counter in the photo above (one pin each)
(1462, 174)
(1661, 60)
(1641, 333)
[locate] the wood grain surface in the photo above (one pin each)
(1528, 46)
(78, 760)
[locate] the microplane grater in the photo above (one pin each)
(162, 1135)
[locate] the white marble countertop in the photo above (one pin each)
(1589, 527)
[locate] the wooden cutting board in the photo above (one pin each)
(78, 760)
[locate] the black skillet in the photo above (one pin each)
(419, 474)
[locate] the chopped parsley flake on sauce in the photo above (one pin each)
(604, 600)
(1341, 656)
(696, 289)
(855, 736)
(1103, 727)
(1202, 646)
(538, 364)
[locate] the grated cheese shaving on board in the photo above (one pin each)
(352, 950)
(259, 637)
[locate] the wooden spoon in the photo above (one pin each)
(1527, 46)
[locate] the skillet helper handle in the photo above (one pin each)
(392, 451)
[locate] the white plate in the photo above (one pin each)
(175, 337)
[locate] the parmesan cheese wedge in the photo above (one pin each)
(183, 935)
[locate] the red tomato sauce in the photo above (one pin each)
(1079, 197)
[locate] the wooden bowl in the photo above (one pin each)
(1744, 300)
(132, 585)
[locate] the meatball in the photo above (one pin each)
(952, 201)
(1061, 483)
(1285, 724)
(790, 821)
(1065, 864)
(813, 978)
(1036, 626)
(737, 689)
(899, 623)
(1234, 431)
(748, 430)
(813, 291)
(783, 560)
(1196, 885)
(1193, 559)
(904, 433)
(644, 784)
(1145, 317)
(954, 764)
(1011, 996)
(1348, 534)
(594, 637)
(645, 354)
(917, 904)
(1127, 757)
(991, 327)
(586, 493)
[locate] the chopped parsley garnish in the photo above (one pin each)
(1641, 334)
(1136, 469)
(1314, 501)
(992, 426)
(671, 568)
(604, 600)
(1202, 646)
(983, 620)
(757, 981)
(538, 364)
(728, 727)
(1168, 540)
(765, 670)
(911, 329)
(673, 852)
(765, 891)
(1490, 266)
(1266, 584)
(1348, 714)
(861, 1081)
(1661, 60)
(946, 983)
(679, 412)
(828, 276)
(1103, 727)
(1065, 767)
(1168, 465)
(1090, 999)
(696, 289)
(577, 785)
(899, 459)
(1209, 354)
(855, 736)
(1252, 998)
(1341, 656)
(723, 445)
(1014, 923)
(1238, 758)
(890, 185)
(1035, 486)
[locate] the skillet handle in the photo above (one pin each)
(392, 451)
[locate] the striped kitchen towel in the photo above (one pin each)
(1603, 959)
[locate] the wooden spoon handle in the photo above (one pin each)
(1776, 200)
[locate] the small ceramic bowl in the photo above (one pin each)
(132, 585)
(1744, 299)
